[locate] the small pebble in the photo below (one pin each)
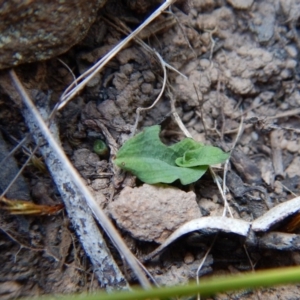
(147, 88)
(278, 189)
(204, 63)
(293, 146)
(188, 116)
(291, 64)
(148, 76)
(254, 136)
(266, 96)
(215, 198)
(241, 4)
(189, 258)
(292, 51)
(285, 74)
(284, 106)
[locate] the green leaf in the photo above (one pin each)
(151, 161)
(205, 155)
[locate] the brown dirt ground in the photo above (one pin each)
(241, 60)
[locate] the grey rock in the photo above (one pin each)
(40, 29)
(153, 212)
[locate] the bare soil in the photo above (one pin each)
(241, 63)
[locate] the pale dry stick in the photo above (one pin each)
(213, 43)
(202, 263)
(68, 68)
(19, 143)
(226, 205)
(239, 133)
(51, 116)
(20, 171)
(72, 90)
(176, 116)
(214, 176)
(216, 129)
(182, 31)
(180, 124)
(152, 29)
(275, 137)
(269, 126)
(23, 246)
(285, 128)
(289, 190)
(252, 107)
(14, 149)
(164, 65)
(175, 70)
(139, 41)
(77, 180)
(201, 116)
(148, 273)
(91, 282)
(233, 130)
(26, 150)
(139, 109)
(221, 99)
(249, 258)
(289, 113)
(16, 255)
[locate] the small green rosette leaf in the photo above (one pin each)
(151, 161)
(205, 155)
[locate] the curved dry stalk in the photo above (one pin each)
(82, 80)
(177, 118)
(69, 182)
(164, 65)
(213, 174)
(19, 145)
(181, 29)
(68, 68)
(139, 109)
(142, 44)
(239, 133)
(20, 171)
(202, 263)
(216, 181)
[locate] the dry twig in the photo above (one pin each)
(69, 182)
(82, 80)
(276, 153)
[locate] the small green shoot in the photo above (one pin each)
(100, 148)
(152, 162)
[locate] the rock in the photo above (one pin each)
(40, 29)
(241, 4)
(153, 212)
(240, 86)
(294, 168)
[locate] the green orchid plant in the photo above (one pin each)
(145, 156)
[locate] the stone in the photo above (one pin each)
(153, 212)
(40, 29)
(241, 4)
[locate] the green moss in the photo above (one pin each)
(100, 148)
